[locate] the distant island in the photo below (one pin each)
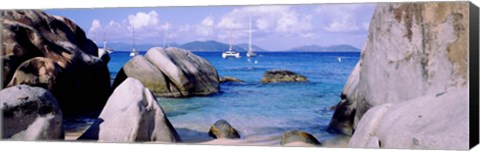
(215, 46)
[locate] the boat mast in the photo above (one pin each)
(165, 36)
(249, 34)
(133, 36)
(230, 41)
(104, 41)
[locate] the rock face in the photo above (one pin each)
(30, 113)
(223, 129)
(414, 51)
(132, 114)
(344, 115)
(282, 76)
(53, 52)
(295, 137)
(411, 124)
(229, 79)
(172, 72)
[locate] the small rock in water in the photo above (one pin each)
(295, 136)
(273, 76)
(229, 79)
(333, 108)
(223, 129)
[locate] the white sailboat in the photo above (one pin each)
(134, 51)
(250, 52)
(108, 50)
(230, 52)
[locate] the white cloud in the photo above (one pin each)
(142, 19)
(205, 28)
(266, 20)
(208, 21)
(147, 27)
(307, 35)
(96, 25)
(345, 17)
(229, 23)
(262, 24)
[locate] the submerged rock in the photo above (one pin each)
(132, 114)
(53, 52)
(174, 73)
(229, 79)
(223, 129)
(412, 53)
(30, 113)
(298, 138)
(273, 76)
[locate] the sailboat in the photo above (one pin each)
(108, 50)
(230, 52)
(250, 52)
(134, 51)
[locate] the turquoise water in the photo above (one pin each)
(261, 112)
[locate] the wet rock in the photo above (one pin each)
(30, 113)
(343, 118)
(223, 129)
(273, 76)
(294, 137)
(229, 79)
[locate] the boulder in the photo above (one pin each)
(273, 76)
(420, 123)
(229, 79)
(223, 129)
(343, 118)
(30, 113)
(412, 51)
(132, 114)
(53, 52)
(299, 138)
(141, 69)
(38, 71)
(184, 74)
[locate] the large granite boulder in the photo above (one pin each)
(30, 113)
(413, 51)
(273, 76)
(299, 138)
(132, 114)
(223, 129)
(53, 52)
(173, 72)
(411, 124)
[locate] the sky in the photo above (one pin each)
(274, 27)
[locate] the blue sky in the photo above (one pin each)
(274, 27)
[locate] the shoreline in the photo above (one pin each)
(339, 141)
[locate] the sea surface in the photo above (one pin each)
(261, 113)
